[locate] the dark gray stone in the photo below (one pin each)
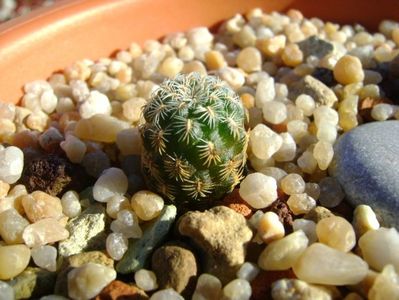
(366, 163)
(315, 46)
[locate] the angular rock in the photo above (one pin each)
(86, 232)
(366, 163)
(222, 235)
(315, 46)
(175, 267)
(309, 85)
(33, 283)
(153, 233)
(118, 290)
(318, 213)
(75, 261)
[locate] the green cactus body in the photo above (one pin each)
(194, 139)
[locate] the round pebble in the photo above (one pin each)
(258, 190)
(45, 257)
(116, 245)
(146, 280)
(348, 69)
(13, 260)
(337, 233)
(111, 182)
(237, 289)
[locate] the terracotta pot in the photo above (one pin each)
(49, 39)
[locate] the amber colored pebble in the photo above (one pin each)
(118, 290)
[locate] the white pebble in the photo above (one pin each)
(127, 223)
(48, 101)
(306, 103)
(6, 291)
(258, 190)
(95, 103)
(237, 289)
(208, 287)
(111, 182)
(274, 112)
(382, 111)
(115, 204)
(326, 132)
(146, 280)
(80, 90)
(87, 281)
(264, 142)
(270, 227)
(265, 92)
(307, 162)
(45, 257)
(11, 164)
(166, 294)
(282, 254)
(70, 204)
(380, 247)
(132, 108)
(293, 184)
(325, 114)
(308, 227)
(199, 36)
(287, 151)
(248, 271)
(234, 77)
(364, 219)
(116, 245)
(323, 152)
(301, 203)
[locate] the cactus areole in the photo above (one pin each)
(194, 140)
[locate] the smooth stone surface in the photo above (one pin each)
(140, 249)
(366, 164)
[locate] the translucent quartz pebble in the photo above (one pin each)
(323, 152)
(11, 164)
(301, 203)
(237, 289)
(44, 232)
(264, 142)
(293, 184)
(208, 287)
(337, 233)
(326, 132)
(364, 219)
(166, 294)
(283, 254)
(307, 162)
(45, 257)
(265, 92)
(100, 128)
(12, 225)
(258, 190)
(386, 285)
(146, 280)
(331, 193)
(308, 227)
(13, 260)
(6, 291)
(95, 103)
(129, 141)
(321, 264)
(306, 103)
(312, 189)
(70, 204)
(287, 150)
(40, 205)
(116, 245)
(147, 205)
(380, 247)
(274, 112)
(248, 271)
(87, 281)
(325, 114)
(270, 227)
(74, 148)
(127, 223)
(111, 182)
(382, 111)
(115, 204)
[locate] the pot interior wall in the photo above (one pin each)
(49, 39)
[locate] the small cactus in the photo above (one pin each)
(194, 139)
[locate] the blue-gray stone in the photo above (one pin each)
(139, 250)
(366, 163)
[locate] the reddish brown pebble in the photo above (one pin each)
(236, 203)
(118, 290)
(261, 285)
(285, 215)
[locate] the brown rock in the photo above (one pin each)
(318, 213)
(175, 267)
(236, 203)
(54, 175)
(118, 290)
(284, 213)
(221, 234)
